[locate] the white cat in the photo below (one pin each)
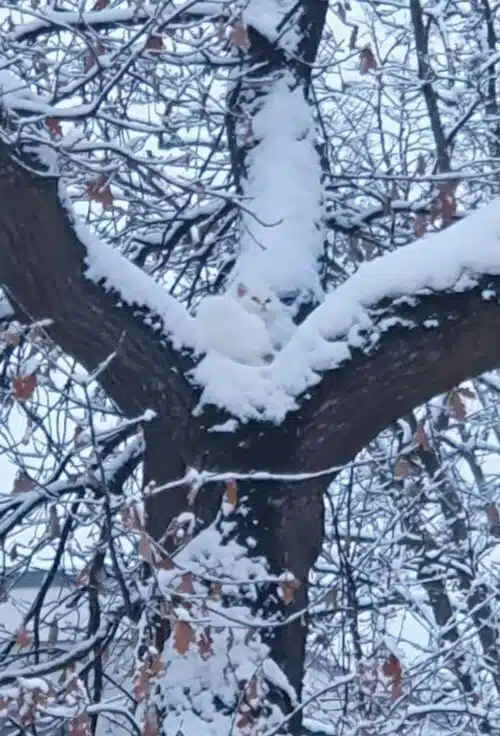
(227, 327)
(260, 300)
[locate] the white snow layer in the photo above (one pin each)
(449, 260)
(280, 237)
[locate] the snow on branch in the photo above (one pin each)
(352, 317)
(116, 272)
(63, 19)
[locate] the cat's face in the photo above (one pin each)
(261, 302)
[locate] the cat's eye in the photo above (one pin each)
(256, 299)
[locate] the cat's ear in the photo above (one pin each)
(241, 289)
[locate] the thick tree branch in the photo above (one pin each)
(409, 365)
(42, 268)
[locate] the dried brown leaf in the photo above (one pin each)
(392, 668)
(99, 190)
(155, 43)
(215, 591)
(54, 526)
(186, 584)
(53, 125)
(23, 639)
(140, 689)
(145, 549)
(456, 406)
(367, 60)
(23, 387)
(22, 483)
(420, 224)
(79, 725)
(420, 438)
(402, 469)
(331, 598)
(90, 58)
(493, 519)
(288, 590)
(205, 643)
(239, 36)
(183, 636)
(231, 495)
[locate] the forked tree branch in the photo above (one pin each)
(42, 266)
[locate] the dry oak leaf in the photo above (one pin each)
(164, 563)
(54, 526)
(239, 36)
(367, 60)
(456, 406)
(154, 43)
(205, 643)
(79, 725)
(420, 438)
(145, 549)
(231, 495)
(92, 55)
(493, 520)
(186, 584)
(23, 639)
(23, 387)
(100, 191)
(420, 224)
(53, 125)
(183, 636)
(448, 205)
(215, 591)
(392, 668)
(288, 589)
(402, 469)
(140, 689)
(22, 483)
(151, 724)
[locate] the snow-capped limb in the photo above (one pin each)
(47, 20)
(105, 632)
(90, 321)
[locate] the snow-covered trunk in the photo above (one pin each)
(235, 596)
(274, 155)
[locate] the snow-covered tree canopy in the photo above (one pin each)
(213, 514)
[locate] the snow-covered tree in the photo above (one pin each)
(306, 545)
